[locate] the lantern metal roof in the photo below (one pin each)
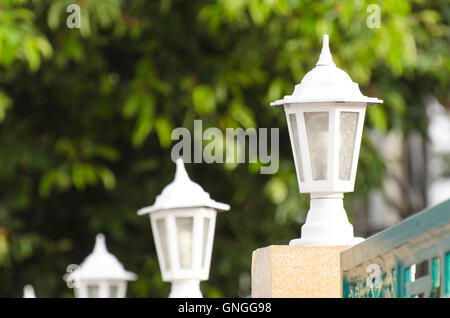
(101, 265)
(183, 193)
(326, 83)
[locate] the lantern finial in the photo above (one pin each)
(100, 245)
(325, 56)
(180, 173)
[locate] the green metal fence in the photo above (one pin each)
(410, 259)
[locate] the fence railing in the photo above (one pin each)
(410, 259)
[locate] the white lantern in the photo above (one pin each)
(183, 221)
(325, 116)
(28, 292)
(101, 275)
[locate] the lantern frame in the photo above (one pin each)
(333, 182)
(103, 288)
(200, 263)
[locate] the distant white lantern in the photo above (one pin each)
(325, 116)
(28, 292)
(101, 275)
(183, 221)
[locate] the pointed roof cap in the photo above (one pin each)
(325, 57)
(101, 265)
(326, 83)
(183, 193)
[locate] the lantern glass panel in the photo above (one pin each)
(206, 222)
(296, 144)
(113, 291)
(92, 291)
(347, 138)
(184, 230)
(316, 124)
(161, 225)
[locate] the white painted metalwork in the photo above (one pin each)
(325, 116)
(28, 292)
(183, 221)
(101, 275)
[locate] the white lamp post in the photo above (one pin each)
(325, 116)
(28, 292)
(183, 220)
(100, 275)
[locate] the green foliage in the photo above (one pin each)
(20, 38)
(86, 117)
(203, 99)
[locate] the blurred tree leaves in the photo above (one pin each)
(5, 103)
(20, 38)
(86, 118)
(203, 99)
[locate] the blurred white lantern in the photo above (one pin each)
(325, 116)
(28, 292)
(100, 275)
(183, 221)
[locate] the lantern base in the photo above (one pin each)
(327, 223)
(325, 241)
(185, 288)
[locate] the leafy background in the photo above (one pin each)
(87, 114)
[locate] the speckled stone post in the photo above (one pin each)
(282, 271)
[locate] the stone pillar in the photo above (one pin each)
(282, 271)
